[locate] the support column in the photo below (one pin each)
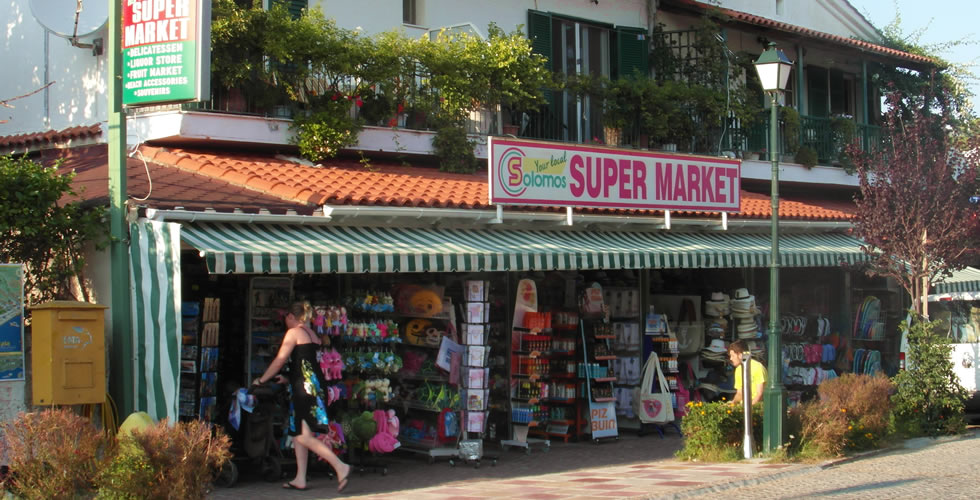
(121, 355)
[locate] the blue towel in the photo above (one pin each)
(242, 401)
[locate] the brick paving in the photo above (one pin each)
(632, 467)
(643, 468)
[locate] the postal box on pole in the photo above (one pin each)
(68, 353)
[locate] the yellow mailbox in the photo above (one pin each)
(68, 353)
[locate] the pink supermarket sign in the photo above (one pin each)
(524, 172)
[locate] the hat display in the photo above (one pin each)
(743, 305)
(718, 306)
(747, 328)
(716, 327)
(717, 345)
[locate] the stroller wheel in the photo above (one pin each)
(227, 476)
(271, 468)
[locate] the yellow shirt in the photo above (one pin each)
(758, 372)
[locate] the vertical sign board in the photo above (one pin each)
(540, 173)
(11, 322)
(166, 51)
(602, 419)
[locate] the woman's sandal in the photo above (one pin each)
(343, 482)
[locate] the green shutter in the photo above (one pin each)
(539, 31)
(632, 51)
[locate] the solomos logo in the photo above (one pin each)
(510, 172)
(517, 172)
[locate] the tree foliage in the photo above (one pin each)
(929, 399)
(944, 82)
(40, 230)
(913, 210)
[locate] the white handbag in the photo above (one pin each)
(650, 406)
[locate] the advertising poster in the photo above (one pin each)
(11, 322)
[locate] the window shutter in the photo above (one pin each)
(539, 31)
(632, 52)
(295, 7)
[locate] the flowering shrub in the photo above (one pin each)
(164, 461)
(53, 454)
(713, 431)
(853, 413)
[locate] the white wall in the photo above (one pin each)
(78, 96)
(837, 17)
(375, 16)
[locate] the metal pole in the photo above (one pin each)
(773, 400)
(121, 355)
(747, 404)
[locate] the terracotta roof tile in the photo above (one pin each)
(51, 136)
(792, 28)
(348, 182)
(171, 187)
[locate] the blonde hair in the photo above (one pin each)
(301, 310)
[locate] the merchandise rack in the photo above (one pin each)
(474, 413)
(600, 379)
(528, 367)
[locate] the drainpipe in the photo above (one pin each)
(864, 91)
(800, 101)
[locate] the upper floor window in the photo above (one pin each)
(409, 12)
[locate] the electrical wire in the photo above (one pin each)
(148, 177)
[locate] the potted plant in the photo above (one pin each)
(791, 130)
(619, 101)
(843, 131)
(806, 156)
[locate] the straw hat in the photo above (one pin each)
(718, 305)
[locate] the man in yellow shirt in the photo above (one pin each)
(756, 369)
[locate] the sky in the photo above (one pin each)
(942, 20)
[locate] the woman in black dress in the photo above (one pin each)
(308, 408)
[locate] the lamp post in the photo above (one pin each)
(773, 68)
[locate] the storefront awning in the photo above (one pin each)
(283, 248)
(965, 280)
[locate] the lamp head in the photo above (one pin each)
(773, 68)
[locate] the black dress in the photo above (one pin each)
(308, 397)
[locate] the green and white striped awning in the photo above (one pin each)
(284, 248)
(966, 280)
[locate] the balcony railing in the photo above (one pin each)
(567, 118)
(819, 133)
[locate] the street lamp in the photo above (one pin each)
(773, 68)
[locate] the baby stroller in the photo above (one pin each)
(255, 444)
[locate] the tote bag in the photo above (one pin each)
(649, 406)
(689, 331)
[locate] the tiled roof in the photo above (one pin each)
(800, 30)
(170, 187)
(380, 183)
(55, 137)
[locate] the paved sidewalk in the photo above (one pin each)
(633, 467)
(650, 480)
